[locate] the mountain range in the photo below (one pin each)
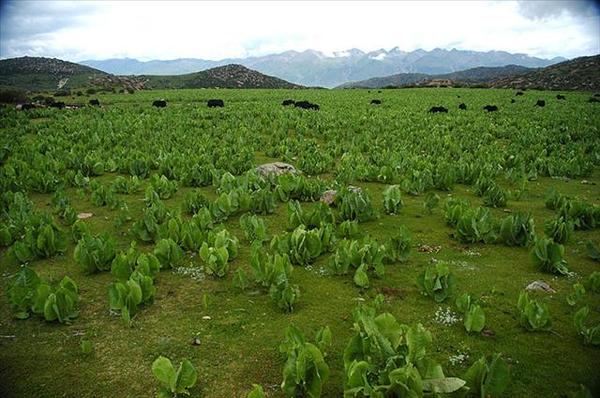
(315, 68)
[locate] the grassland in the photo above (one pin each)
(239, 342)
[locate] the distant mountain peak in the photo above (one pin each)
(315, 68)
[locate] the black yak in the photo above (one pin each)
(375, 102)
(288, 102)
(437, 109)
(540, 103)
(160, 103)
(490, 108)
(215, 103)
(94, 102)
(463, 106)
(306, 105)
(560, 97)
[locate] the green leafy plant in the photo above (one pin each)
(86, 347)
(354, 204)
(387, 359)
(168, 253)
(348, 229)
(474, 316)
(162, 186)
(495, 196)
(517, 230)
(487, 378)
(559, 229)
(392, 199)
(256, 392)
(432, 199)
(254, 228)
(577, 293)
(591, 335)
(549, 256)
(193, 201)
(437, 282)
(174, 381)
(303, 246)
(305, 370)
(57, 304)
(533, 316)
(593, 250)
(398, 246)
(474, 225)
(95, 253)
(21, 292)
(593, 282)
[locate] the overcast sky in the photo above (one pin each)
(78, 31)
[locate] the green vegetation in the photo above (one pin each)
(212, 262)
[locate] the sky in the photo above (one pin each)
(83, 30)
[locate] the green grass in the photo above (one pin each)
(239, 342)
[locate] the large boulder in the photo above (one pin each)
(275, 168)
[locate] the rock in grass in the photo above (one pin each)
(275, 168)
(540, 285)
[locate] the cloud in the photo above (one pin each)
(545, 9)
(215, 30)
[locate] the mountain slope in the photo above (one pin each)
(228, 76)
(578, 74)
(313, 68)
(38, 73)
(465, 77)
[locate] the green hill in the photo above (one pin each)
(228, 76)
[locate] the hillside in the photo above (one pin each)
(466, 77)
(228, 76)
(315, 68)
(45, 74)
(578, 74)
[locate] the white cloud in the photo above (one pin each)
(167, 30)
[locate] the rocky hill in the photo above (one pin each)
(474, 76)
(582, 74)
(228, 76)
(45, 74)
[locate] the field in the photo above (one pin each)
(506, 162)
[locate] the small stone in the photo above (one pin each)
(83, 216)
(196, 341)
(206, 318)
(540, 285)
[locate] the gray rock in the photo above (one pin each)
(328, 196)
(540, 285)
(276, 168)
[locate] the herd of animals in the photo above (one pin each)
(219, 103)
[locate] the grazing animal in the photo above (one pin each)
(59, 105)
(375, 102)
(512, 101)
(306, 105)
(519, 93)
(378, 91)
(560, 97)
(160, 103)
(593, 99)
(540, 103)
(463, 106)
(94, 102)
(215, 103)
(288, 102)
(490, 108)
(26, 107)
(438, 109)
